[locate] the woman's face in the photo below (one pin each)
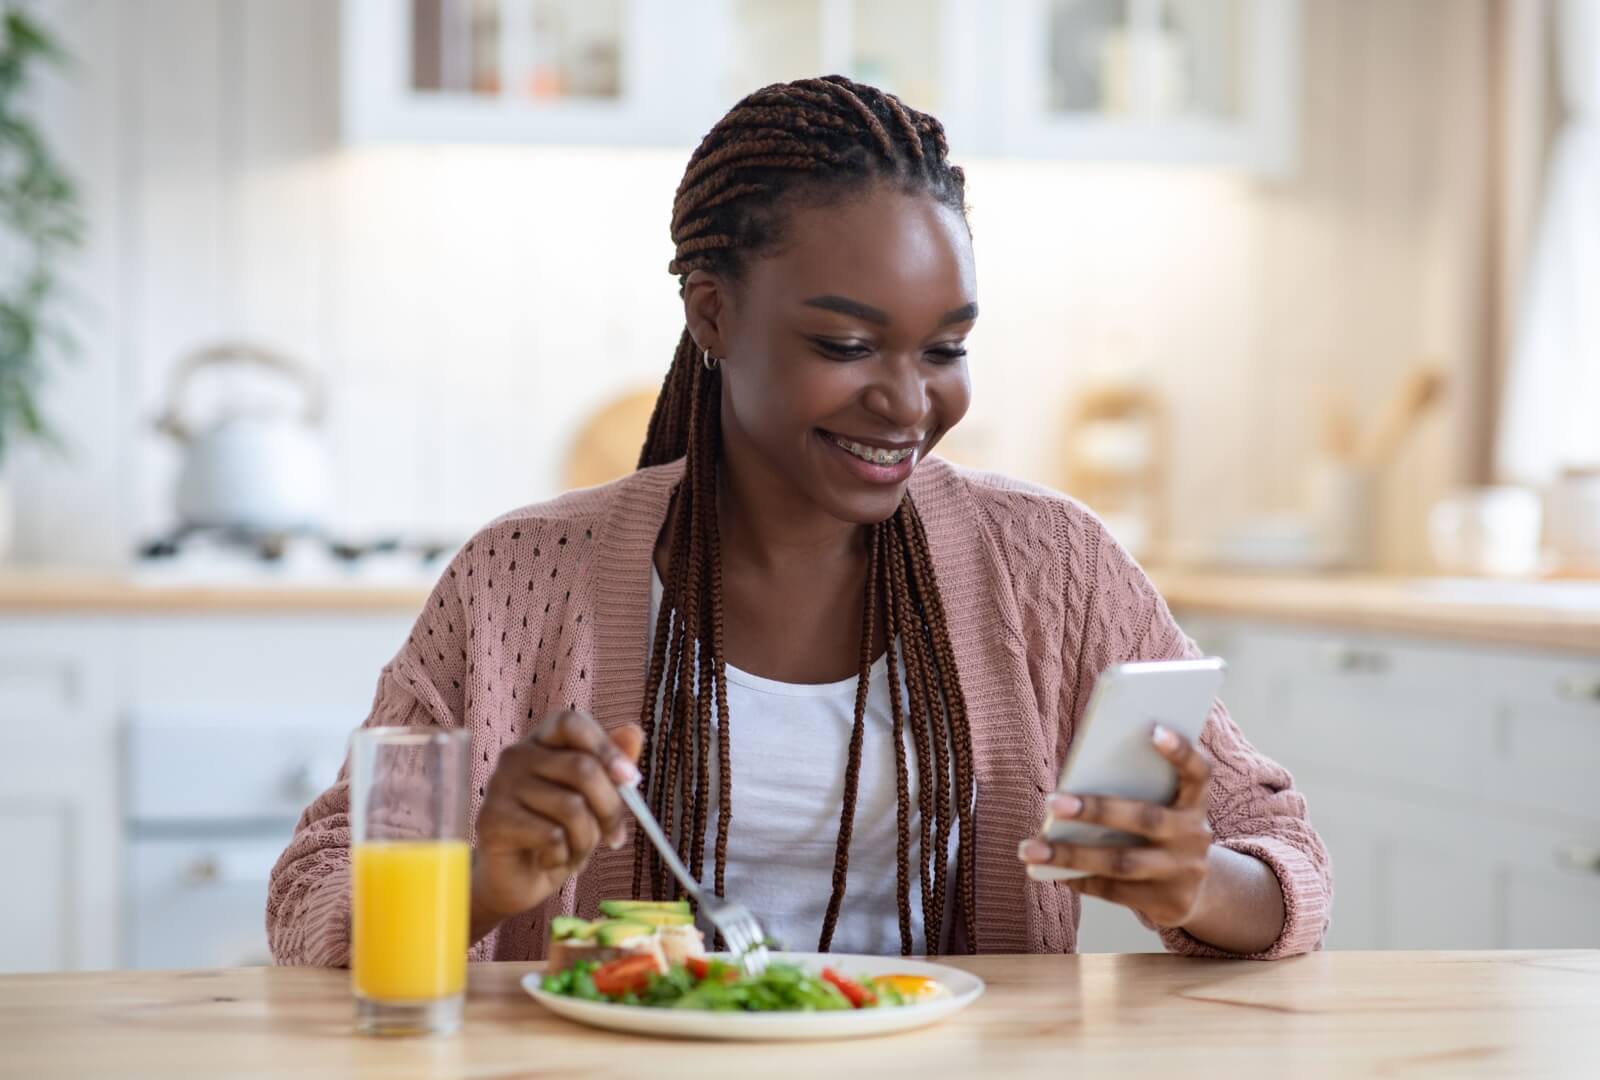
(844, 357)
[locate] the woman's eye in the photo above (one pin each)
(844, 350)
(948, 354)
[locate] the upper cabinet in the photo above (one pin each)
(1205, 81)
(1199, 81)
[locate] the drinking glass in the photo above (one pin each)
(409, 862)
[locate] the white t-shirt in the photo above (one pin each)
(790, 745)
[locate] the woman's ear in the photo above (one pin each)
(706, 310)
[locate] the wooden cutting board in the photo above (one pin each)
(608, 443)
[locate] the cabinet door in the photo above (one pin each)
(924, 51)
(1111, 928)
(1203, 81)
(199, 903)
(335, 661)
(570, 71)
(1546, 737)
(58, 807)
(37, 842)
(1456, 874)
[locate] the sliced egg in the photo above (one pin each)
(913, 987)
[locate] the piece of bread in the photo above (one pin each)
(563, 954)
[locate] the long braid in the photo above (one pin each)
(709, 669)
(815, 135)
(852, 769)
(955, 708)
(919, 686)
(897, 616)
(685, 812)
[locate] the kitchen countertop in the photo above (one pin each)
(1563, 615)
(1354, 1014)
(52, 591)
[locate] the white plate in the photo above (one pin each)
(964, 989)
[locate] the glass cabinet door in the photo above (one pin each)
(1180, 80)
(1201, 81)
(894, 44)
(1144, 59)
(586, 71)
(537, 50)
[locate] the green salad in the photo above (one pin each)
(648, 952)
(718, 986)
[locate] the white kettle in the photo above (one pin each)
(250, 469)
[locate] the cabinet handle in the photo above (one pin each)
(1354, 660)
(1583, 859)
(1580, 688)
(203, 871)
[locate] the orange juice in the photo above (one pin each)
(409, 919)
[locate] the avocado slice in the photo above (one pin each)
(661, 918)
(623, 909)
(567, 928)
(615, 931)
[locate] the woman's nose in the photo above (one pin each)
(899, 393)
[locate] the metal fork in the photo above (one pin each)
(745, 938)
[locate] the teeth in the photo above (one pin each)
(874, 454)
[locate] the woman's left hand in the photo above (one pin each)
(1163, 879)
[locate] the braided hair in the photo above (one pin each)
(793, 144)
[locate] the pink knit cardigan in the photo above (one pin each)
(548, 606)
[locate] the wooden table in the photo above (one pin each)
(1521, 1014)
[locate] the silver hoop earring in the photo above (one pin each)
(709, 361)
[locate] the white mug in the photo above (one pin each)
(1573, 530)
(1489, 530)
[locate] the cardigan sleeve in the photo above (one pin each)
(1254, 807)
(308, 894)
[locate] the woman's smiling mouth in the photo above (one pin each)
(872, 462)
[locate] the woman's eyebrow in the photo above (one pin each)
(964, 313)
(846, 306)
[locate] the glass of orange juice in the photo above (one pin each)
(409, 861)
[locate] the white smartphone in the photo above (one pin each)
(1111, 751)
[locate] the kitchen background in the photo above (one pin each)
(1278, 286)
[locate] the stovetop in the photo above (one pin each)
(243, 557)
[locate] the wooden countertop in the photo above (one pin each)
(1550, 615)
(1563, 615)
(1347, 1014)
(59, 592)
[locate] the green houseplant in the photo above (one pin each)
(40, 221)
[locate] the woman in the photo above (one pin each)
(787, 552)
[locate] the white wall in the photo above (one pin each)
(468, 305)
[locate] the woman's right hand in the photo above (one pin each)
(551, 802)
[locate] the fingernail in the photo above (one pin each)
(623, 772)
(617, 838)
(1033, 851)
(1164, 738)
(1066, 805)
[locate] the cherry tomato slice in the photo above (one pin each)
(858, 996)
(624, 974)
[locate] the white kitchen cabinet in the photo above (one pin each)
(1190, 81)
(1176, 81)
(123, 841)
(58, 810)
(557, 71)
(1453, 784)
